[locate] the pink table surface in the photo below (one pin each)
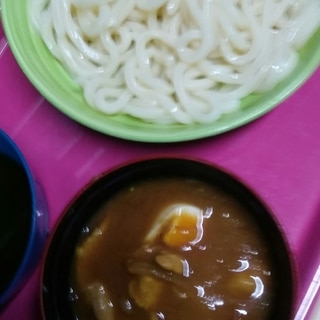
(278, 155)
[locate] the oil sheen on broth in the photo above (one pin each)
(172, 249)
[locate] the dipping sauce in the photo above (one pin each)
(15, 208)
(173, 248)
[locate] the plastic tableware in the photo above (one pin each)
(56, 85)
(23, 220)
(58, 296)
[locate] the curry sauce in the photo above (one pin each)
(173, 248)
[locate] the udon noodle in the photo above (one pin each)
(168, 61)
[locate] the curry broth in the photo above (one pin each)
(230, 272)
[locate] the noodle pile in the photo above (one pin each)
(175, 61)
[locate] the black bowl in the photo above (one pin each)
(55, 292)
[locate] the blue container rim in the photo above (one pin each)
(13, 151)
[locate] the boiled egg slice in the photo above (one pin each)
(178, 225)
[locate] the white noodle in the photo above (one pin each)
(175, 61)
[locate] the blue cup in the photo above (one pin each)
(23, 220)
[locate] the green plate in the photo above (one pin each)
(52, 81)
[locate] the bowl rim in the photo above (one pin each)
(290, 261)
